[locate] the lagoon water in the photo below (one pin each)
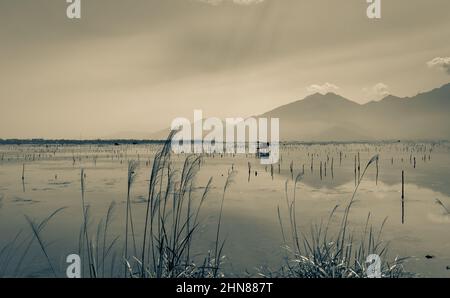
(250, 222)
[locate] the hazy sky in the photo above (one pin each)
(135, 65)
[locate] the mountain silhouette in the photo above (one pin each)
(331, 117)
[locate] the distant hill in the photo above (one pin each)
(331, 117)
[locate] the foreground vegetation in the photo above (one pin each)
(171, 224)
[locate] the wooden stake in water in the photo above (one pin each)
(332, 168)
(320, 170)
(23, 177)
(291, 169)
(376, 178)
(403, 197)
(359, 168)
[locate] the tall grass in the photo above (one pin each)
(172, 220)
(171, 225)
(105, 250)
(218, 250)
(132, 167)
(27, 243)
(317, 254)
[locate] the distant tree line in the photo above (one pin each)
(116, 142)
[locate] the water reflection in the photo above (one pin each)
(416, 226)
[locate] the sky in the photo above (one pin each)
(134, 66)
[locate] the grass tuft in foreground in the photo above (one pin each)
(171, 224)
(341, 255)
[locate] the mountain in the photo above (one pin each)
(331, 117)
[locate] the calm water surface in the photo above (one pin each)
(250, 222)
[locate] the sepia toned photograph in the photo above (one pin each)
(224, 139)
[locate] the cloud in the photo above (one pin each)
(239, 2)
(442, 63)
(325, 88)
(376, 92)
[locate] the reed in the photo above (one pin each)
(132, 167)
(218, 250)
(403, 197)
(37, 229)
(7, 253)
(447, 210)
(320, 255)
(105, 250)
(172, 217)
(84, 228)
(172, 220)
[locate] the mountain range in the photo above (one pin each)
(331, 117)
